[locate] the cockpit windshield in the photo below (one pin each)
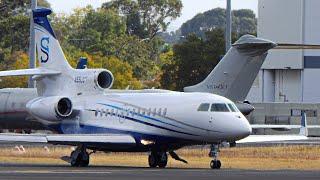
(232, 108)
(204, 107)
(219, 107)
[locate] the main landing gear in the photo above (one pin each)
(159, 159)
(79, 157)
(214, 152)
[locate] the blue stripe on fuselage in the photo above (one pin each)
(147, 117)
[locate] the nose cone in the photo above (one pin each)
(244, 128)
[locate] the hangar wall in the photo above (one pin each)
(289, 75)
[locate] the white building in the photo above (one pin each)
(289, 75)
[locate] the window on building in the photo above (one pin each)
(219, 107)
(204, 107)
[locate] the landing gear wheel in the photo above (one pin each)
(79, 158)
(214, 152)
(163, 160)
(85, 158)
(215, 164)
(153, 161)
(75, 162)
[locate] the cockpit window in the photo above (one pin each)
(204, 107)
(219, 107)
(232, 108)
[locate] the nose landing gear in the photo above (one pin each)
(159, 159)
(214, 152)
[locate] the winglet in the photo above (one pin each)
(304, 125)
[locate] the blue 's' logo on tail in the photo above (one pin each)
(44, 49)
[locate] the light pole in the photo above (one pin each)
(32, 46)
(228, 26)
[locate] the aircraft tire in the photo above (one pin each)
(85, 159)
(153, 160)
(75, 160)
(163, 160)
(215, 164)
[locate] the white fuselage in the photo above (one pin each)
(153, 116)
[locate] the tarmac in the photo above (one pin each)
(51, 172)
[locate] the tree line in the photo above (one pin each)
(123, 36)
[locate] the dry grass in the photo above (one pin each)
(262, 158)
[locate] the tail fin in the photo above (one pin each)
(234, 75)
(82, 63)
(304, 125)
(50, 54)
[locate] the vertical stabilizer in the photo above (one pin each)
(50, 54)
(235, 73)
(304, 125)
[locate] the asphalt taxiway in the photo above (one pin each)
(50, 172)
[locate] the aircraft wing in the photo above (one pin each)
(72, 139)
(276, 127)
(29, 72)
(303, 134)
(271, 138)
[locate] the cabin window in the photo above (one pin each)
(143, 112)
(232, 108)
(159, 111)
(154, 112)
(204, 107)
(133, 112)
(219, 107)
(165, 112)
(107, 112)
(112, 112)
(96, 112)
(149, 111)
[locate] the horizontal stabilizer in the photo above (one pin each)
(65, 139)
(29, 72)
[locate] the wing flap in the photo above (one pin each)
(105, 138)
(23, 138)
(29, 72)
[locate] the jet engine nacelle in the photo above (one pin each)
(50, 108)
(245, 108)
(98, 79)
(103, 79)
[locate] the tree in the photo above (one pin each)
(17, 60)
(192, 60)
(14, 24)
(243, 22)
(145, 18)
(10, 37)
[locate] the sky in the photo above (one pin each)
(190, 7)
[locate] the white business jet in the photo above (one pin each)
(74, 103)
